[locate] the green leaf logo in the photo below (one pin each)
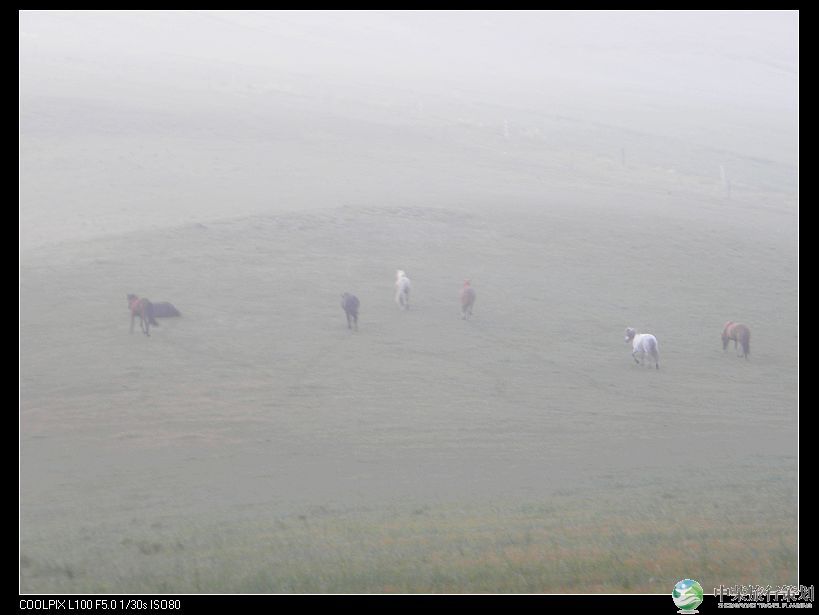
(687, 595)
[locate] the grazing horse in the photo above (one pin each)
(643, 344)
(350, 304)
(402, 289)
(467, 299)
(145, 310)
(741, 335)
(164, 309)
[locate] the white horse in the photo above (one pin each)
(643, 344)
(402, 289)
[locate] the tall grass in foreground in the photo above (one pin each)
(565, 545)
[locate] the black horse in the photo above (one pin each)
(350, 304)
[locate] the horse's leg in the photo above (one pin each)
(634, 356)
(132, 322)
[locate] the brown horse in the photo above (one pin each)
(467, 299)
(741, 335)
(145, 310)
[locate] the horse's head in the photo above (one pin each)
(131, 298)
(467, 282)
(630, 333)
(400, 274)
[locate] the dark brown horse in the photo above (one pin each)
(145, 310)
(350, 304)
(467, 299)
(741, 335)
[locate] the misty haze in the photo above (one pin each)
(545, 180)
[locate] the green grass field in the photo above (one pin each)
(257, 445)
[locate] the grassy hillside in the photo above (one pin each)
(257, 445)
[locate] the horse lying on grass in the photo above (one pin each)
(163, 309)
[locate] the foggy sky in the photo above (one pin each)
(717, 81)
(687, 60)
